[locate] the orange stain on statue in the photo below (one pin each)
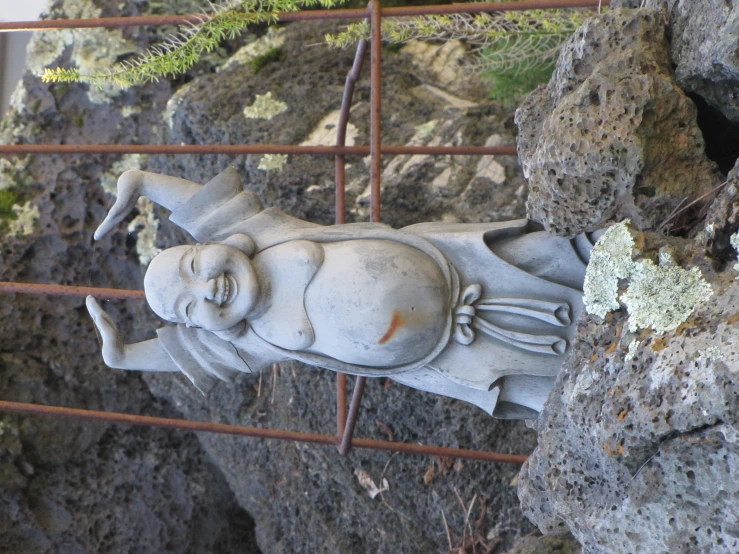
(395, 323)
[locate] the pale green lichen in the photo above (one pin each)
(663, 297)
(145, 225)
(264, 107)
(610, 261)
(26, 216)
(735, 243)
(658, 296)
(272, 162)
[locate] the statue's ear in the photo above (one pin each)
(241, 242)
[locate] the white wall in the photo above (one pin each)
(13, 45)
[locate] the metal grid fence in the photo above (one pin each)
(346, 419)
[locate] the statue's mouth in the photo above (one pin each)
(228, 289)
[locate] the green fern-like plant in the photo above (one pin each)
(181, 51)
(515, 50)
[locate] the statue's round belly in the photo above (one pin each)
(377, 303)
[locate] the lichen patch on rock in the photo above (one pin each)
(610, 261)
(272, 162)
(264, 107)
(26, 216)
(658, 296)
(663, 297)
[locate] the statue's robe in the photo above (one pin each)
(497, 346)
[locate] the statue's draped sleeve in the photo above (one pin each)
(201, 355)
(207, 358)
(222, 207)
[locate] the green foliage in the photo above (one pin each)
(181, 51)
(8, 198)
(260, 61)
(510, 87)
(515, 50)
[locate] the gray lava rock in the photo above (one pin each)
(66, 486)
(704, 45)
(639, 442)
(612, 135)
(546, 545)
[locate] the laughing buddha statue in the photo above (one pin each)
(484, 312)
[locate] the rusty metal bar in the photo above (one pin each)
(67, 290)
(351, 419)
(233, 149)
(340, 403)
(351, 81)
(133, 21)
(375, 183)
(340, 200)
(222, 428)
(375, 108)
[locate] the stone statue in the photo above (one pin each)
(479, 312)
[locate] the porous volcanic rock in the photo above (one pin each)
(67, 486)
(639, 441)
(704, 46)
(612, 135)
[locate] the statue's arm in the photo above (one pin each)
(170, 192)
(148, 355)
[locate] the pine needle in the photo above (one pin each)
(181, 51)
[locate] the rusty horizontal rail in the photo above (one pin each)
(360, 13)
(235, 149)
(69, 290)
(226, 429)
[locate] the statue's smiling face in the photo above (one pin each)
(212, 286)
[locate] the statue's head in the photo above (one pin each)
(212, 286)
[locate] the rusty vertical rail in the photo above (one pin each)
(340, 200)
(375, 12)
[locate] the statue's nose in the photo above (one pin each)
(207, 289)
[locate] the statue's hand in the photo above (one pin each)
(113, 346)
(130, 186)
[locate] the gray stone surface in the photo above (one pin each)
(80, 487)
(612, 135)
(704, 46)
(111, 489)
(625, 4)
(722, 220)
(532, 544)
(638, 445)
